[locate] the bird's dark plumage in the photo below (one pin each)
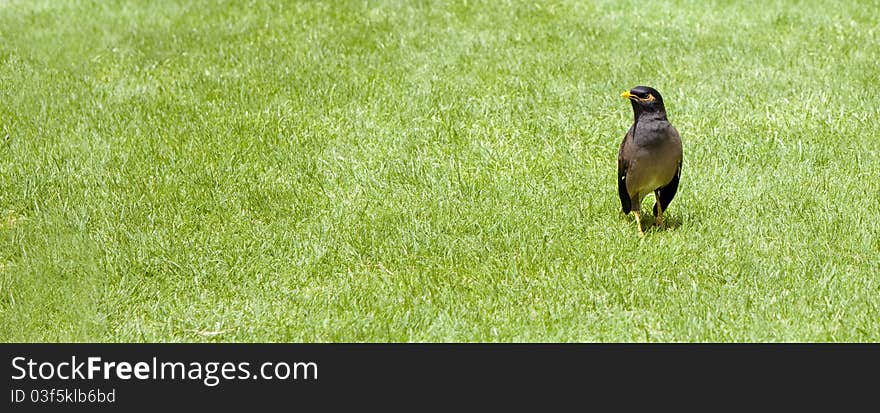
(650, 156)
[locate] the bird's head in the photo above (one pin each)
(644, 99)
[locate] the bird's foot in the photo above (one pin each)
(639, 223)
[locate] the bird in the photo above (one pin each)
(650, 156)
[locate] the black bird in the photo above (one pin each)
(650, 156)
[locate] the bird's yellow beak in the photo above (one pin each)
(626, 95)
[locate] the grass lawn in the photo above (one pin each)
(434, 171)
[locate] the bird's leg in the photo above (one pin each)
(658, 210)
(638, 215)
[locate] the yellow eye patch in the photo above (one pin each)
(628, 95)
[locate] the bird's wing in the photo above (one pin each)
(622, 166)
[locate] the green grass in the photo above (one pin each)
(434, 171)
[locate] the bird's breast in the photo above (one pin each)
(653, 164)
